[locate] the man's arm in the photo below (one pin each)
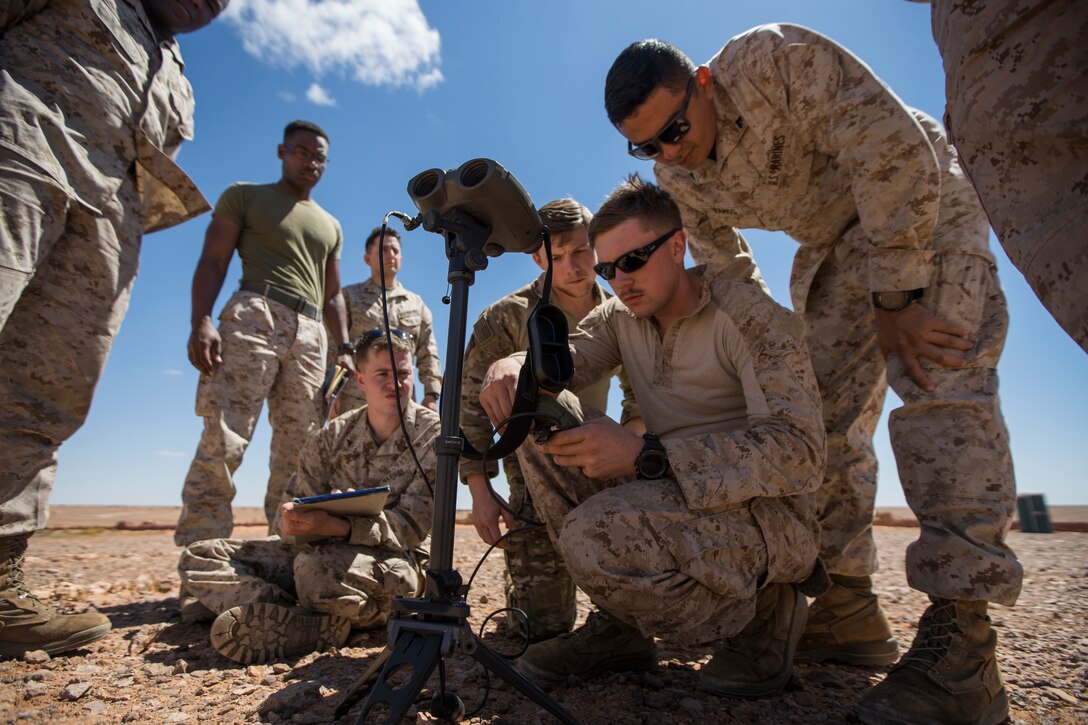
(430, 369)
(336, 314)
(220, 241)
(13, 12)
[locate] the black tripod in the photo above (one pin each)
(425, 630)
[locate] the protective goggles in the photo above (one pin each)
(676, 128)
(634, 259)
(379, 332)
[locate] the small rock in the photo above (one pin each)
(38, 676)
(692, 707)
(180, 667)
(281, 668)
(86, 670)
(270, 680)
(243, 690)
(75, 690)
(34, 689)
(1062, 695)
(651, 680)
(309, 718)
(158, 669)
(36, 657)
(32, 715)
(177, 717)
(257, 670)
(296, 697)
(95, 707)
(123, 682)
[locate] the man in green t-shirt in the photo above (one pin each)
(270, 344)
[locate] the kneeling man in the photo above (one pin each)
(278, 598)
(702, 530)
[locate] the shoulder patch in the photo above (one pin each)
(482, 333)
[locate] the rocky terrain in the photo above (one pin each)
(154, 668)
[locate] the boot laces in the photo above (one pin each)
(936, 631)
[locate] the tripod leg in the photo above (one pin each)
(502, 668)
(419, 654)
(359, 688)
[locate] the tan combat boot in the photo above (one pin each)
(603, 644)
(253, 634)
(758, 661)
(948, 677)
(27, 624)
(846, 624)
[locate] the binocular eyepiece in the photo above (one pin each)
(488, 193)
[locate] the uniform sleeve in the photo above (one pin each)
(406, 524)
(430, 369)
(312, 475)
(850, 115)
(629, 409)
(594, 345)
(13, 12)
(232, 205)
(783, 450)
(493, 338)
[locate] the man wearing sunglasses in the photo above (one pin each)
(271, 342)
(537, 581)
(702, 530)
(786, 130)
(273, 598)
(407, 311)
(94, 106)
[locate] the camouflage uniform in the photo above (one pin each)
(537, 581)
(383, 557)
(1017, 95)
(93, 108)
(877, 200)
(731, 392)
(406, 311)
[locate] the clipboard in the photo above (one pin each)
(361, 502)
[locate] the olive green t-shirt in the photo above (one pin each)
(284, 242)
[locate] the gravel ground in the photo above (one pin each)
(154, 668)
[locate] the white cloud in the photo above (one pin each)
(172, 454)
(287, 96)
(172, 373)
(375, 42)
(316, 94)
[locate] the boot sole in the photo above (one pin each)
(775, 684)
(259, 633)
(881, 714)
(75, 641)
(642, 662)
(885, 652)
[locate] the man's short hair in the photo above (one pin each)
(300, 125)
(638, 71)
(368, 343)
(635, 198)
(564, 215)
(376, 233)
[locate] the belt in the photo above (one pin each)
(295, 302)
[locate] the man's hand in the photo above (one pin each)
(486, 512)
(601, 447)
(312, 523)
(498, 389)
(205, 347)
(347, 361)
(914, 332)
(430, 400)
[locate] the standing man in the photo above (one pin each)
(1017, 112)
(271, 343)
(93, 109)
(353, 565)
(406, 311)
(537, 581)
(701, 530)
(786, 130)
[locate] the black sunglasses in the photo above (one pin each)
(676, 128)
(634, 259)
(379, 332)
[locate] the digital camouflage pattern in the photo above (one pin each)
(385, 555)
(269, 352)
(537, 581)
(894, 212)
(1017, 95)
(93, 109)
(684, 557)
(406, 311)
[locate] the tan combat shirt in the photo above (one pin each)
(345, 454)
(91, 98)
(810, 142)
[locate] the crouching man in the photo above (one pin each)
(702, 530)
(277, 598)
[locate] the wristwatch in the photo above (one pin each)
(895, 301)
(345, 348)
(652, 461)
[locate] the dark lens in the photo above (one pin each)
(674, 131)
(633, 260)
(647, 150)
(605, 269)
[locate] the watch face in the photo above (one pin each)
(891, 301)
(652, 463)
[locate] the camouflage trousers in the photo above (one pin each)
(1017, 96)
(951, 446)
(61, 308)
(537, 581)
(355, 582)
(269, 352)
(640, 553)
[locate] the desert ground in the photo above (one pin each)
(153, 668)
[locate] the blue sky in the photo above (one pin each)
(402, 87)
